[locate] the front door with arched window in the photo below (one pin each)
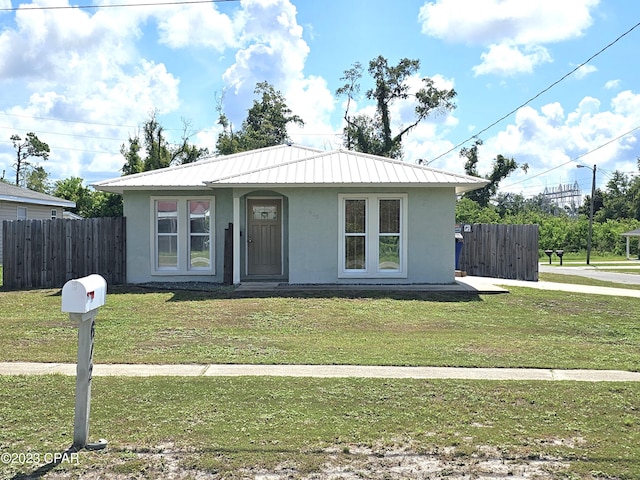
(264, 236)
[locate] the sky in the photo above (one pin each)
(550, 83)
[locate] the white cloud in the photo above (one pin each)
(627, 103)
(274, 52)
(311, 100)
(83, 69)
(506, 60)
(510, 29)
(584, 70)
(197, 25)
(553, 112)
(552, 143)
(612, 84)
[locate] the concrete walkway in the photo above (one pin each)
(484, 285)
(322, 371)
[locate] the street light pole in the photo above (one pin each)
(593, 193)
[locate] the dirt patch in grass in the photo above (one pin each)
(344, 463)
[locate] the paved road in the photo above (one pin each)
(594, 272)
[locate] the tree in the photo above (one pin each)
(468, 211)
(502, 167)
(105, 204)
(156, 146)
(634, 195)
(72, 189)
(158, 152)
(28, 148)
(265, 125)
(617, 199)
(391, 84)
(133, 162)
(38, 180)
(186, 152)
(89, 202)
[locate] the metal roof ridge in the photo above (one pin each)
(317, 153)
(204, 160)
(412, 165)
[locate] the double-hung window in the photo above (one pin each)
(183, 235)
(373, 238)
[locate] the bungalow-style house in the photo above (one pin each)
(299, 215)
(18, 203)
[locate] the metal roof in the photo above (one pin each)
(12, 193)
(292, 165)
(632, 233)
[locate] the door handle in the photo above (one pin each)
(249, 240)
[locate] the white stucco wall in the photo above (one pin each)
(310, 234)
(138, 212)
(313, 236)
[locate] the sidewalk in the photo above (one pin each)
(323, 371)
(485, 285)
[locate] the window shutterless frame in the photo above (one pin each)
(182, 235)
(372, 239)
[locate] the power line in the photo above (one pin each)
(75, 135)
(118, 5)
(538, 94)
(74, 149)
(575, 159)
(31, 117)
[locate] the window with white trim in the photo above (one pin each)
(183, 235)
(22, 213)
(373, 239)
(54, 214)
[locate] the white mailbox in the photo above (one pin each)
(81, 299)
(84, 294)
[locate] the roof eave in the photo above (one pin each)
(120, 189)
(459, 188)
(464, 188)
(34, 201)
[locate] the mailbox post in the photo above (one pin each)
(82, 298)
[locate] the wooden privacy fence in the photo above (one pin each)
(501, 251)
(48, 253)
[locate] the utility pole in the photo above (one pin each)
(593, 193)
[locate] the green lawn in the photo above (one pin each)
(526, 328)
(224, 425)
(238, 427)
